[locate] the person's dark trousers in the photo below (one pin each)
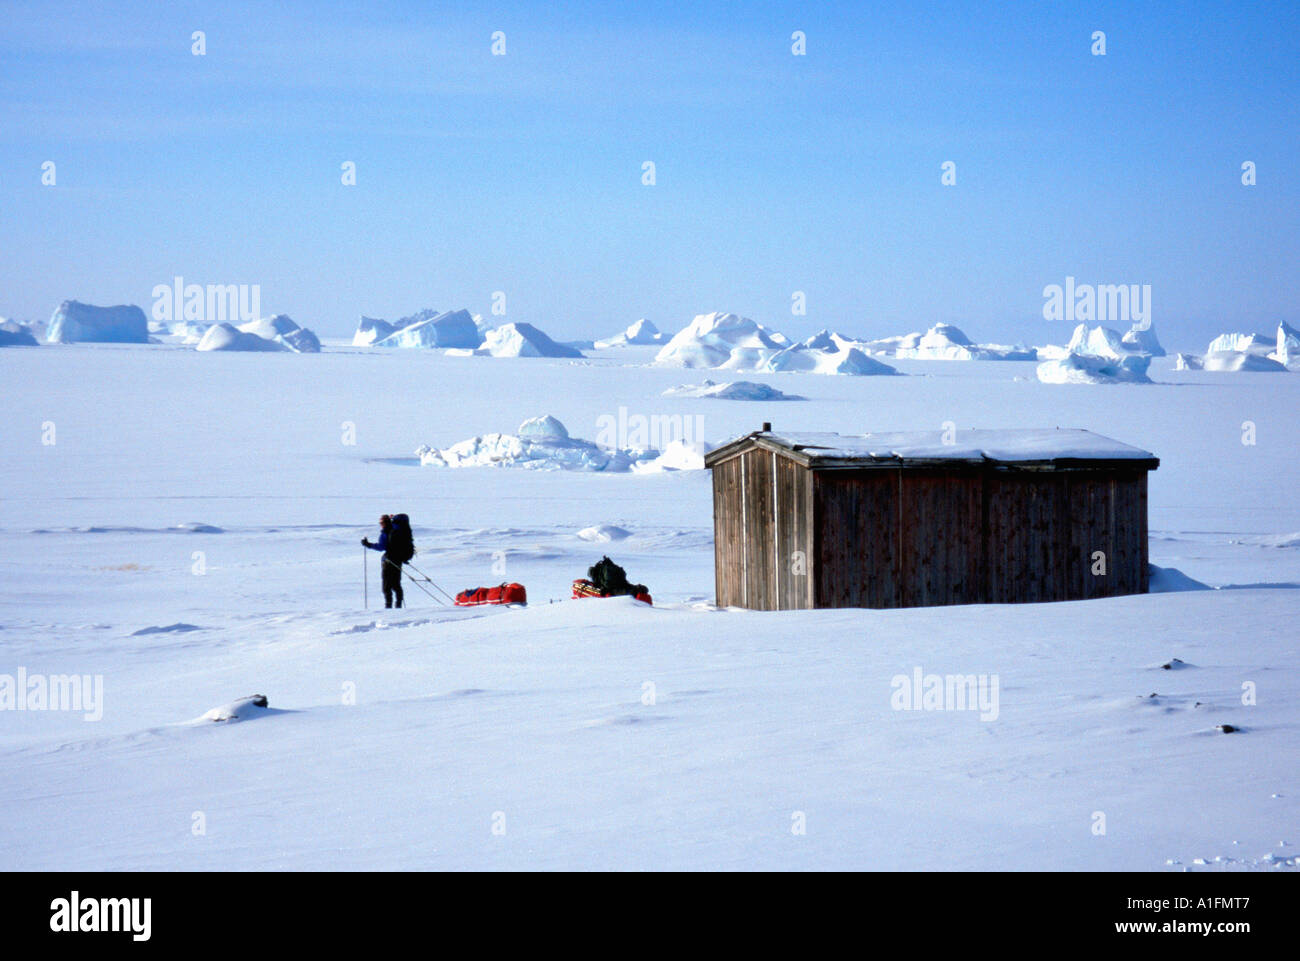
(392, 582)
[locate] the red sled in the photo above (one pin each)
(584, 588)
(501, 594)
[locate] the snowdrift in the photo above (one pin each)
(641, 333)
(737, 390)
(74, 322)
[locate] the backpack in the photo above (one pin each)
(611, 580)
(401, 545)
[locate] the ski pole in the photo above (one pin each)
(430, 580)
(365, 578)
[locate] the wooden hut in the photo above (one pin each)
(808, 520)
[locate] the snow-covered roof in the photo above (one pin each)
(1059, 446)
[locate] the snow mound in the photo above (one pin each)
(454, 328)
(226, 337)
(678, 455)
(282, 329)
(543, 443)
(710, 339)
(523, 340)
(243, 709)
(1090, 369)
(640, 333)
(603, 534)
(74, 322)
(14, 334)
(1165, 580)
(737, 390)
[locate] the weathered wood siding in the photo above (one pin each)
(762, 532)
(855, 518)
(728, 551)
(940, 532)
(788, 537)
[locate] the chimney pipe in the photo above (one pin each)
(767, 427)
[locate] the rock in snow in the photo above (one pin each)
(641, 333)
(243, 709)
(74, 322)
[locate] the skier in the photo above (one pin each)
(392, 576)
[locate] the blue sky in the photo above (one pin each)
(775, 173)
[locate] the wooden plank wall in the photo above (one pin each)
(904, 538)
(728, 550)
(941, 541)
(855, 522)
(795, 562)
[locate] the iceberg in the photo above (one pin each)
(523, 340)
(738, 390)
(710, 339)
(74, 322)
(640, 333)
(281, 329)
(542, 443)
(453, 328)
(14, 334)
(1076, 368)
(228, 337)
